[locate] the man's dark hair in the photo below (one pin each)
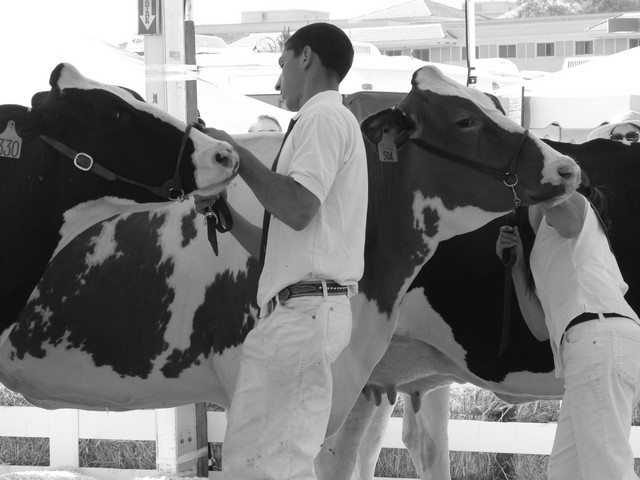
(327, 41)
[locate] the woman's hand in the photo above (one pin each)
(510, 238)
(203, 203)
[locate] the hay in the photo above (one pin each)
(58, 474)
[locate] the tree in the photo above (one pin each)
(610, 6)
(284, 36)
(548, 8)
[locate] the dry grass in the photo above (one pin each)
(465, 403)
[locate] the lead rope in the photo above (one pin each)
(508, 260)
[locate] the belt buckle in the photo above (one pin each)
(284, 294)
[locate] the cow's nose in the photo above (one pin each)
(223, 159)
(566, 171)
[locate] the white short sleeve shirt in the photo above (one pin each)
(325, 154)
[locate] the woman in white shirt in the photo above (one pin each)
(576, 300)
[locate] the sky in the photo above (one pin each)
(115, 20)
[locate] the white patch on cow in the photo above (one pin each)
(432, 79)
(555, 162)
(451, 222)
(84, 215)
(70, 77)
(104, 246)
(195, 265)
(206, 152)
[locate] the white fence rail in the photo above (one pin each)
(65, 427)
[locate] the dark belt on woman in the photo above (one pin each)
(303, 289)
(586, 317)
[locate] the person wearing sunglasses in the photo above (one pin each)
(623, 127)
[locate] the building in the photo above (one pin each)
(433, 32)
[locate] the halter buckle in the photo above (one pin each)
(176, 194)
(83, 161)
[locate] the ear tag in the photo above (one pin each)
(387, 151)
(10, 142)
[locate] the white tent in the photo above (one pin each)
(578, 99)
(32, 61)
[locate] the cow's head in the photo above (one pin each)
(131, 139)
(467, 138)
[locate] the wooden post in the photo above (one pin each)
(63, 438)
(171, 84)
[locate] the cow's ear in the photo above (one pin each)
(392, 123)
(373, 126)
(38, 99)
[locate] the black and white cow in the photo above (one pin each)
(86, 152)
(451, 321)
(137, 312)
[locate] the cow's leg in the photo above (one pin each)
(338, 458)
(425, 434)
(372, 441)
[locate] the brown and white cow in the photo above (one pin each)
(137, 312)
(451, 321)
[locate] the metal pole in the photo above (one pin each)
(470, 28)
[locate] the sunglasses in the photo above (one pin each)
(629, 137)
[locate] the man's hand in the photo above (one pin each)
(203, 203)
(220, 135)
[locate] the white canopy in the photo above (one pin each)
(585, 96)
(29, 63)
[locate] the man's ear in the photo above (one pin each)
(306, 57)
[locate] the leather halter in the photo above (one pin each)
(512, 219)
(510, 178)
(171, 189)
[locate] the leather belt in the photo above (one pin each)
(303, 289)
(586, 317)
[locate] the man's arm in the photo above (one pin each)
(245, 232)
(281, 195)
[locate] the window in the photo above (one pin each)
(464, 52)
(421, 54)
(507, 51)
(545, 49)
(634, 42)
(584, 47)
(393, 53)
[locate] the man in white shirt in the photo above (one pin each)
(313, 259)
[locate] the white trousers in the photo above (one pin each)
(602, 386)
(282, 401)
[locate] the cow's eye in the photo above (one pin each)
(113, 116)
(464, 123)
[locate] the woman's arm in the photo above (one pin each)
(567, 218)
(527, 299)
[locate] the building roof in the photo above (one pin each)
(414, 10)
(629, 21)
(404, 33)
(376, 35)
